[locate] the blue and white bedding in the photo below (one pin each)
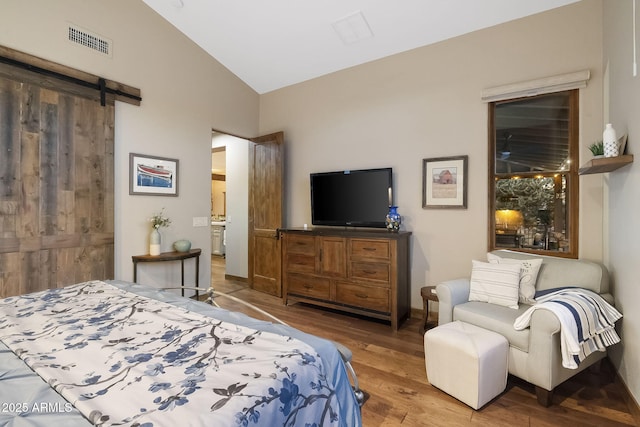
(587, 322)
(120, 357)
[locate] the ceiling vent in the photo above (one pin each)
(91, 40)
(352, 28)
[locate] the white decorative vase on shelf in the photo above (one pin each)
(154, 242)
(610, 141)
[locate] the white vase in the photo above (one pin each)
(610, 141)
(154, 242)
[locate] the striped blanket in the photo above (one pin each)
(586, 322)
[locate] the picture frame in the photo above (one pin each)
(444, 182)
(153, 175)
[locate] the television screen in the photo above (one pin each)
(357, 198)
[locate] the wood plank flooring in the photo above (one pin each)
(391, 370)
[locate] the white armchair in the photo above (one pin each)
(534, 353)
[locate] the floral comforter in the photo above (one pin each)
(125, 359)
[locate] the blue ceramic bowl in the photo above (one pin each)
(182, 245)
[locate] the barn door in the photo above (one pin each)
(56, 187)
(265, 213)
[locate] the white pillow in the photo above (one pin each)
(495, 283)
(529, 269)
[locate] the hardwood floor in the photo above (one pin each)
(391, 370)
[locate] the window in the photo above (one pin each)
(533, 174)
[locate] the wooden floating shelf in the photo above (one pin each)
(605, 164)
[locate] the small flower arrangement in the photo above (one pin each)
(159, 220)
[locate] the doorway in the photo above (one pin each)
(253, 208)
(229, 204)
(218, 201)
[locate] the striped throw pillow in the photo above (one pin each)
(495, 283)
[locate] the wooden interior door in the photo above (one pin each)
(56, 187)
(265, 213)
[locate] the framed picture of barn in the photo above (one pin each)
(444, 182)
(152, 175)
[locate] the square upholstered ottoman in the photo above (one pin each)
(468, 362)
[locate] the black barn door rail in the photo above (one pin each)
(45, 68)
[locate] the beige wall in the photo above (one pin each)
(426, 103)
(623, 188)
(185, 94)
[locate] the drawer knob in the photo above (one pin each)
(369, 249)
(369, 272)
(363, 296)
(308, 286)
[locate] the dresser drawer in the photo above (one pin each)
(370, 248)
(310, 286)
(369, 297)
(300, 263)
(301, 244)
(374, 271)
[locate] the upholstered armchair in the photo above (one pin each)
(534, 352)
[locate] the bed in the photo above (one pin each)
(113, 353)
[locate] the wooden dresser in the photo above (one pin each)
(364, 272)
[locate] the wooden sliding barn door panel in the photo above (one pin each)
(56, 188)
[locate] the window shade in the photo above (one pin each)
(577, 80)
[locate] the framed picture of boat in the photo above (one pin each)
(152, 175)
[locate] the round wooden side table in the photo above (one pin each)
(428, 294)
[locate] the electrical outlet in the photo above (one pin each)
(200, 221)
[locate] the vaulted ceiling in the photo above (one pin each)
(271, 44)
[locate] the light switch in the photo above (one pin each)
(200, 221)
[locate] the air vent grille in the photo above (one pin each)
(92, 41)
(353, 28)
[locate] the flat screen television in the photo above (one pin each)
(351, 198)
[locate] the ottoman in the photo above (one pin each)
(468, 362)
